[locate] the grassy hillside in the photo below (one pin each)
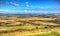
(28, 26)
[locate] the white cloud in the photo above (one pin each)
(27, 11)
(10, 3)
(14, 3)
(27, 5)
(4, 10)
(26, 2)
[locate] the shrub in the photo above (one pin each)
(37, 28)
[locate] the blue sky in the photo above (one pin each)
(29, 6)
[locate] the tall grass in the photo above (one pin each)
(48, 34)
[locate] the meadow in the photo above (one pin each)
(16, 25)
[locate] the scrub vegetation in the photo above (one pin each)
(29, 25)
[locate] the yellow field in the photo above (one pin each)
(32, 26)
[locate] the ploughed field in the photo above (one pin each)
(28, 26)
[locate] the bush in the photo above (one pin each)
(37, 28)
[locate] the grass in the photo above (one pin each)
(27, 27)
(48, 34)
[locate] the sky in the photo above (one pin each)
(29, 6)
